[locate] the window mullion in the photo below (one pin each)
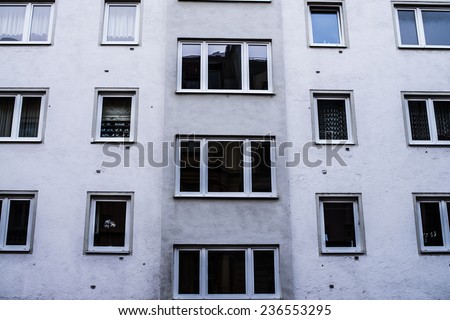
(203, 273)
(204, 167)
(27, 23)
(16, 116)
(445, 224)
(204, 66)
(432, 121)
(245, 67)
(246, 158)
(420, 29)
(3, 218)
(105, 23)
(250, 281)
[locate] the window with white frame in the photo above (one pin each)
(423, 26)
(225, 66)
(23, 22)
(326, 25)
(121, 22)
(115, 116)
(108, 226)
(333, 117)
(340, 223)
(225, 167)
(428, 119)
(226, 272)
(17, 211)
(22, 115)
(433, 222)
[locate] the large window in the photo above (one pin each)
(108, 227)
(428, 119)
(226, 273)
(340, 223)
(206, 66)
(22, 116)
(433, 222)
(224, 167)
(17, 213)
(425, 26)
(326, 27)
(121, 22)
(23, 22)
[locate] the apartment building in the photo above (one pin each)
(283, 149)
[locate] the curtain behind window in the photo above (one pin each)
(40, 23)
(121, 23)
(29, 119)
(11, 22)
(6, 115)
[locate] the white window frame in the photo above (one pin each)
(244, 66)
(418, 8)
(347, 96)
(19, 95)
(249, 272)
(28, 19)
(356, 199)
(247, 172)
(444, 202)
(5, 198)
(429, 99)
(93, 198)
(97, 123)
(327, 6)
(137, 28)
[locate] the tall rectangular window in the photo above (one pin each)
(24, 22)
(326, 24)
(121, 23)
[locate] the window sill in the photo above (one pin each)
(227, 297)
(226, 196)
(123, 44)
(255, 92)
(120, 141)
(18, 43)
(20, 141)
(339, 46)
(435, 251)
(24, 250)
(424, 47)
(429, 144)
(342, 251)
(332, 142)
(107, 251)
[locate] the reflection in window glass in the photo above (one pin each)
(442, 114)
(19, 212)
(12, 22)
(264, 271)
(189, 272)
(225, 166)
(332, 119)
(436, 26)
(110, 219)
(226, 272)
(339, 224)
(121, 23)
(325, 26)
(29, 119)
(40, 23)
(408, 30)
(431, 224)
(261, 167)
(190, 166)
(6, 115)
(224, 67)
(258, 67)
(190, 77)
(116, 117)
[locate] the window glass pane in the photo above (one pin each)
(189, 272)
(332, 119)
(442, 114)
(224, 67)
(11, 22)
(325, 26)
(116, 117)
(261, 167)
(431, 224)
(190, 69)
(408, 30)
(110, 223)
(226, 272)
(436, 25)
(29, 119)
(264, 271)
(40, 23)
(190, 166)
(339, 224)
(225, 166)
(258, 67)
(418, 117)
(19, 212)
(121, 23)
(6, 115)
(448, 213)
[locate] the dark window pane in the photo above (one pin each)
(190, 166)
(116, 117)
(325, 26)
(190, 69)
(225, 166)
(431, 224)
(29, 119)
(436, 25)
(189, 272)
(224, 67)
(110, 223)
(408, 30)
(332, 119)
(264, 271)
(442, 114)
(226, 272)
(19, 212)
(11, 22)
(339, 224)
(258, 67)
(6, 115)
(261, 167)
(420, 129)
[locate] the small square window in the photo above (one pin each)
(326, 28)
(109, 222)
(26, 23)
(22, 116)
(433, 223)
(340, 221)
(121, 23)
(17, 221)
(333, 116)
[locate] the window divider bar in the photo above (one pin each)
(432, 120)
(4, 215)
